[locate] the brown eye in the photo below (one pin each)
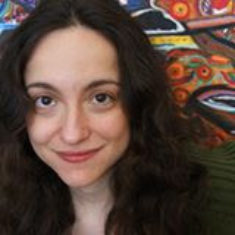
(102, 98)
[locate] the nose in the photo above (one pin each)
(75, 126)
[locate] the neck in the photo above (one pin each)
(92, 205)
(97, 193)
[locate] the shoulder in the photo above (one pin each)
(220, 163)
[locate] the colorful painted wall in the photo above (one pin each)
(12, 12)
(198, 39)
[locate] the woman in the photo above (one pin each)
(91, 140)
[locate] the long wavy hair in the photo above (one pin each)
(156, 189)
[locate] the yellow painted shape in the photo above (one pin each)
(177, 40)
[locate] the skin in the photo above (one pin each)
(78, 126)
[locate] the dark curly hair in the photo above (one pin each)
(156, 189)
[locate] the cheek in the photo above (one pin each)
(40, 131)
(113, 126)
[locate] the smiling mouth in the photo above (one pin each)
(216, 104)
(78, 156)
(222, 100)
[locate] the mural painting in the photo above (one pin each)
(12, 13)
(198, 39)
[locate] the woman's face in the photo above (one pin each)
(78, 126)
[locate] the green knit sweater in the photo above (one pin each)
(220, 162)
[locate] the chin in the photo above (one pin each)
(78, 180)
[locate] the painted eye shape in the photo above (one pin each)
(204, 72)
(180, 10)
(176, 71)
(44, 102)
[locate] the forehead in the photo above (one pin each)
(72, 52)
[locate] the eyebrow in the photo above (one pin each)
(100, 83)
(90, 86)
(41, 85)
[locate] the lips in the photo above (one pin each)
(216, 104)
(78, 156)
(220, 99)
